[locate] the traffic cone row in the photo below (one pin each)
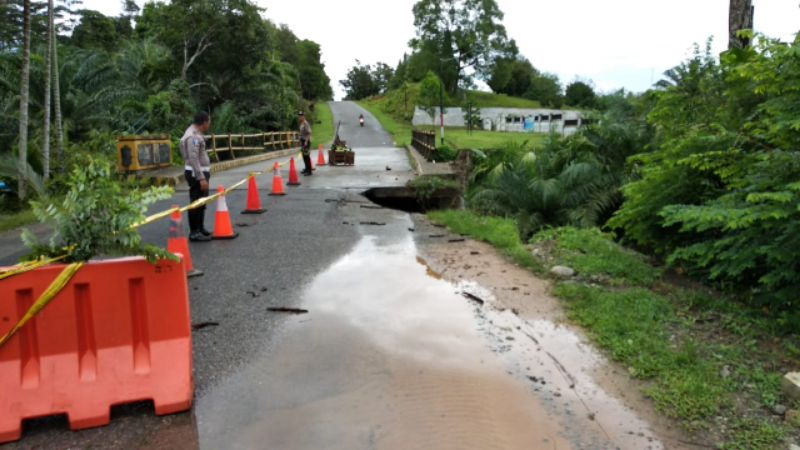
(223, 229)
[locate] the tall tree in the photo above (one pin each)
(740, 18)
(47, 91)
(57, 102)
(23, 96)
(580, 94)
(466, 35)
(360, 82)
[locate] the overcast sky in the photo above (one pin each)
(614, 43)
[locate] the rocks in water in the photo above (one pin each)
(563, 271)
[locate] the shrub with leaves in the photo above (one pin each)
(96, 218)
(720, 194)
(569, 181)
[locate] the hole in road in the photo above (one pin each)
(407, 199)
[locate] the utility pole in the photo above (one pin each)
(740, 18)
(441, 107)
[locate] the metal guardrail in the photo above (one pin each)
(259, 142)
(424, 142)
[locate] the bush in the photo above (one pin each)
(445, 153)
(95, 218)
(718, 195)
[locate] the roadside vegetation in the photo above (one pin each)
(700, 176)
(146, 71)
(14, 220)
(323, 129)
(704, 359)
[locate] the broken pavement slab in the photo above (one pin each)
(790, 385)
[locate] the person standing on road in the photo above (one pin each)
(197, 171)
(305, 142)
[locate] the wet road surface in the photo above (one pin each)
(390, 354)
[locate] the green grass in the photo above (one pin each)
(394, 113)
(322, 132)
(491, 100)
(593, 254)
(501, 233)
(677, 340)
(16, 220)
(490, 140)
(457, 138)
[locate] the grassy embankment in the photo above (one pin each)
(16, 220)
(322, 130)
(710, 363)
(395, 116)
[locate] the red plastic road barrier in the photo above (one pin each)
(320, 157)
(294, 180)
(119, 332)
(253, 201)
(223, 229)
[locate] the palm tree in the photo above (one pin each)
(23, 95)
(47, 89)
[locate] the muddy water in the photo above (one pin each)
(393, 357)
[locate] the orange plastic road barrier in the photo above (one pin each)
(118, 333)
(320, 157)
(253, 201)
(222, 224)
(294, 180)
(277, 181)
(177, 244)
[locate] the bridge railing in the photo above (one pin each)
(424, 142)
(232, 146)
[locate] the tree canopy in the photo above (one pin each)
(150, 70)
(460, 39)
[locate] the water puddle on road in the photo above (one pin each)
(393, 357)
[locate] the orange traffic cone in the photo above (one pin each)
(222, 226)
(294, 180)
(320, 157)
(277, 181)
(178, 244)
(253, 202)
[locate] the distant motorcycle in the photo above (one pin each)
(361, 121)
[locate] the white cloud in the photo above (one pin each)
(616, 43)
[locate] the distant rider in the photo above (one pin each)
(361, 119)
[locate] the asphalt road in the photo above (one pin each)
(415, 338)
(280, 251)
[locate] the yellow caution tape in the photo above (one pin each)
(47, 296)
(28, 266)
